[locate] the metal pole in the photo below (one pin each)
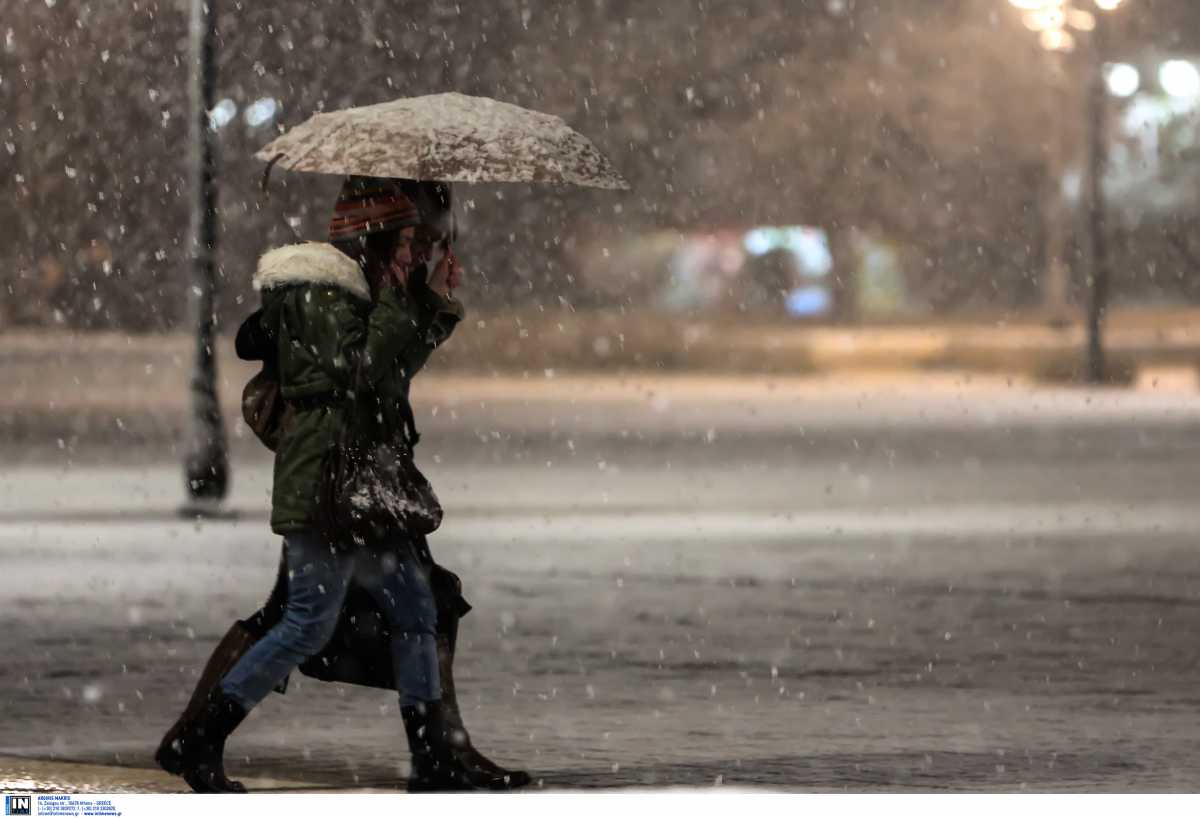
(1096, 205)
(206, 466)
(1055, 283)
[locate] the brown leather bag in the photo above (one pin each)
(263, 408)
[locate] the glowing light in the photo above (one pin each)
(1053, 18)
(1049, 18)
(261, 112)
(1034, 5)
(758, 242)
(1123, 79)
(222, 114)
(1045, 18)
(809, 301)
(1179, 78)
(1081, 20)
(1056, 39)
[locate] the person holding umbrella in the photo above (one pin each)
(349, 319)
(358, 305)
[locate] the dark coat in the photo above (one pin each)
(330, 338)
(317, 317)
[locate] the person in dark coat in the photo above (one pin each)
(329, 309)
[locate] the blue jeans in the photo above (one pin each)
(317, 582)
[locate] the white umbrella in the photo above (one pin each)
(444, 137)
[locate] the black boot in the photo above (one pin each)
(197, 751)
(436, 766)
(237, 640)
(452, 606)
(459, 738)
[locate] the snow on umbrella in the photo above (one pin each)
(444, 137)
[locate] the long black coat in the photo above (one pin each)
(359, 652)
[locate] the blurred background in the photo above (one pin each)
(851, 449)
(873, 161)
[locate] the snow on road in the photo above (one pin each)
(938, 606)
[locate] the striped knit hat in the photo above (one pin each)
(368, 205)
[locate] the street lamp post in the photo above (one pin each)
(1056, 22)
(1097, 163)
(1056, 272)
(206, 466)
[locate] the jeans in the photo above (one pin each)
(317, 582)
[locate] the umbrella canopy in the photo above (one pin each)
(447, 137)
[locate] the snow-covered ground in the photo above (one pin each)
(933, 604)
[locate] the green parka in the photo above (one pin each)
(317, 309)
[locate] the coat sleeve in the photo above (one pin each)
(439, 315)
(339, 333)
(253, 342)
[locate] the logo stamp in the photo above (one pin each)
(18, 805)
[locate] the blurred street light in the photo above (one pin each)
(261, 112)
(1057, 39)
(1057, 22)
(1123, 79)
(222, 114)
(1179, 78)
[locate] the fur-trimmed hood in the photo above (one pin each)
(312, 262)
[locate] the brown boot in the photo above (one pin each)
(229, 650)
(197, 752)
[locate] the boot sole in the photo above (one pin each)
(508, 779)
(516, 781)
(433, 787)
(200, 784)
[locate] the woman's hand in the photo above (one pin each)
(447, 275)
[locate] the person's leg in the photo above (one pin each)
(317, 582)
(450, 605)
(400, 587)
(447, 595)
(232, 647)
(240, 637)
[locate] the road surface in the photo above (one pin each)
(974, 589)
